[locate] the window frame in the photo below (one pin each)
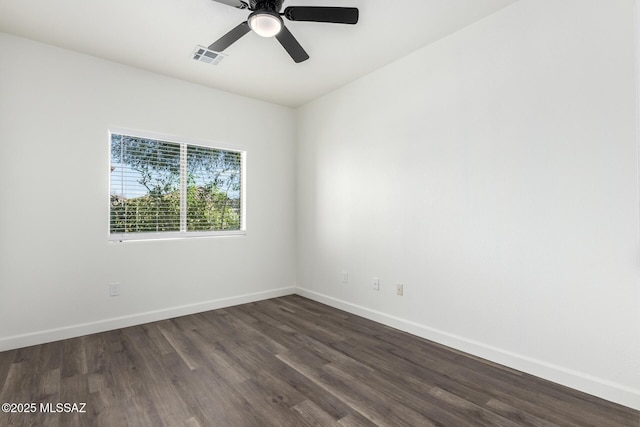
(182, 234)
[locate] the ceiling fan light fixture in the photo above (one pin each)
(265, 23)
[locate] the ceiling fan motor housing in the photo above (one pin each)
(270, 5)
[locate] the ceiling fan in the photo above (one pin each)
(266, 21)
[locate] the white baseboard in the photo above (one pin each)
(50, 335)
(604, 389)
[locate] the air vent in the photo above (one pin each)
(203, 54)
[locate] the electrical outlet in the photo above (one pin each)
(376, 284)
(114, 289)
(400, 289)
(345, 277)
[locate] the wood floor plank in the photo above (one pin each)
(425, 404)
(517, 415)
(287, 361)
(363, 399)
(269, 326)
(6, 360)
(159, 342)
(272, 407)
(212, 400)
(541, 406)
(153, 376)
(124, 374)
(192, 422)
(312, 415)
(326, 401)
(74, 361)
(247, 333)
(95, 351)
(354, 421)
(480, 415)
(106, 409)
(218, 361)
(49, 386)
(217, 327)
(73, 390)
(311, 327)
(19, 384)
(372, 402)
(50, 356)
(181, 345)
(312, 307)
(418, 379)
(208, 329)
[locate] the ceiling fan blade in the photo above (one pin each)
(234, 3)
(230, 38)
(337, 15)
(291, 45)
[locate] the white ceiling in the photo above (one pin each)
(160, 36)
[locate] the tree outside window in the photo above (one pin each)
(162, 187)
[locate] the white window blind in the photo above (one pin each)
(165, 189)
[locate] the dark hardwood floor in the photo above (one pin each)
(283, 362)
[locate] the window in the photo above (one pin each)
(166, 189)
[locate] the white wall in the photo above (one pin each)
(56, 108)
(494, 173)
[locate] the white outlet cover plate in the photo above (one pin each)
(114, 289)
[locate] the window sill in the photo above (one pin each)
(154, 237)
